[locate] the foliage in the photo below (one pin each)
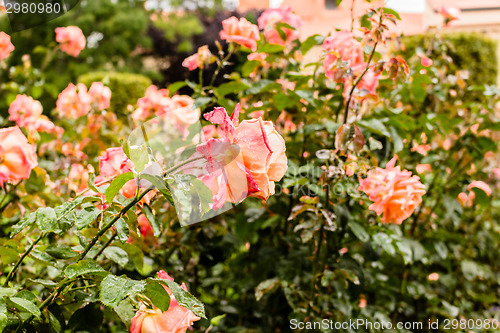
(467, 51)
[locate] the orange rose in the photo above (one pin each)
(240, 32)
(17, 156)
(395, 193)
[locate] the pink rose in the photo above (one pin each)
(100, 94)
(246, 161)
(191, 62)
(200, 59)
(114, 162)
(176, 319)
(27, 112)
(155, 101)
(74, 101)
(271, 17)
(342, 45)
(24, 110)
(17, 156)
(183, 111)
(241, 32)
(395, 193)
(71, 39)
(6, 46)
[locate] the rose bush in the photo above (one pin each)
(302, 211)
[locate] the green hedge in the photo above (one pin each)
(473, 52)
(126, 88)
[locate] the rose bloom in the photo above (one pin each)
(191, 62)
(245, 161)
(71, 39)
(17, 156)
(24, 110)
(395, 193)
(6, 46)
(199, 59)
(271, 17)
(74, 101)
(342, 45)
(241, 32)
(183, 111)
(27, 112)
(176, 319)
(155, 101)
(114, 162)
(100, 94)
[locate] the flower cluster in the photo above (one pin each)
(395, 193)
(345, 58)
(75, 102)
(179, 109)
(27, 112)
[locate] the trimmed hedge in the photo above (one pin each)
(126, 88)
(470, 51)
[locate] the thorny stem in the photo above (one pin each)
(10, 276)
(359, 80)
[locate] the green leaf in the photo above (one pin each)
(183, 297)
(392, 11)
(25, 222)
(155, 224)
(200, 102)
(60, 251)
(160, 184)
(172, 88)
(375, 126)
(139, 156)
(91, 182)
(24, 305)
(249, 67)
(7, 292)
(230, 87)
(115, 288)
(359, 231)
(310, 42)
(266, 286)
(158, 295)
(3, 315)
(118, 183)
(116, 255)
(83, 267)
(122, 230)
(271, 48)
(46, 220)
(205, 195)
(86, 216)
